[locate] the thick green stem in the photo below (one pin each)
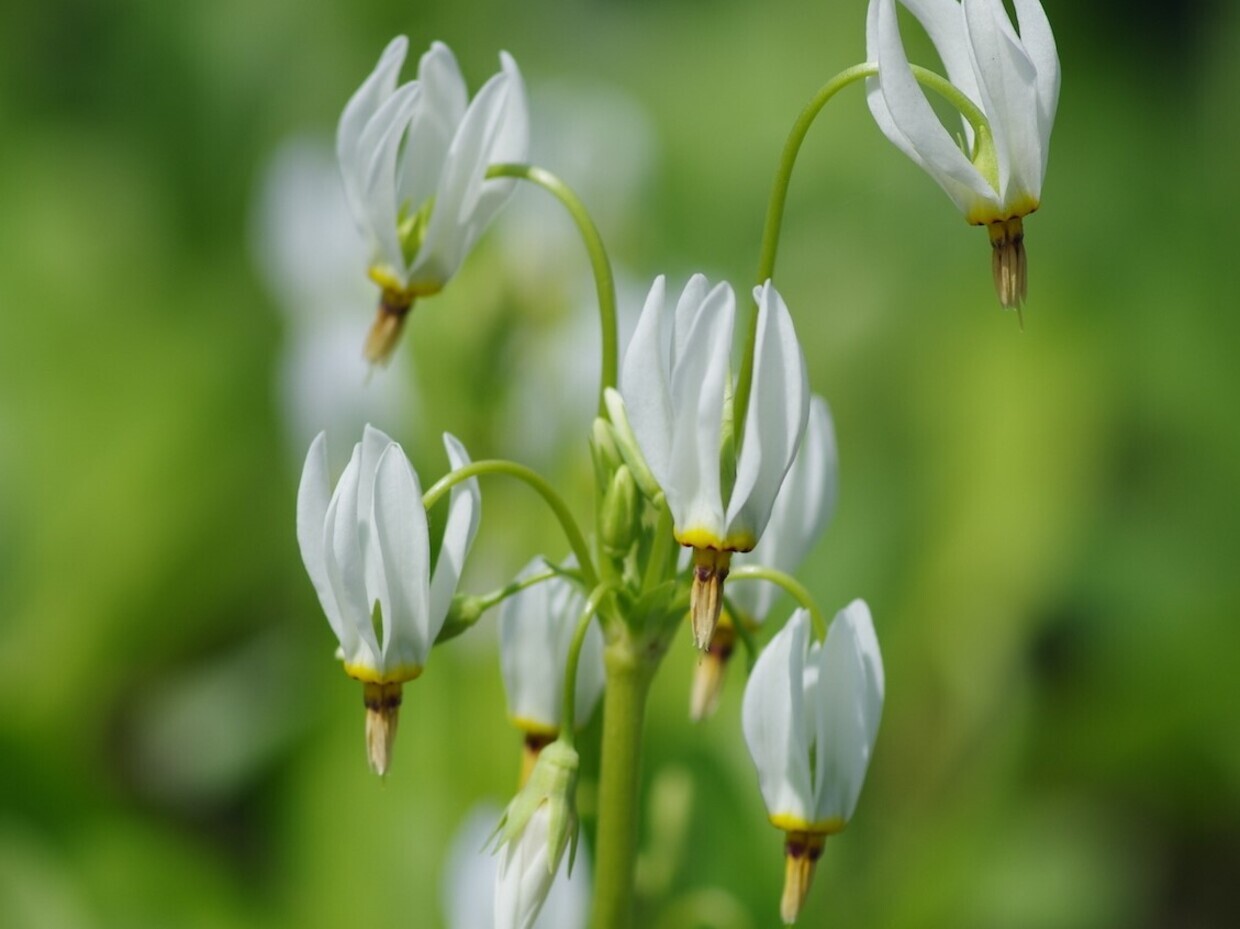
(604, 282)
(630, 670)
(535, 480)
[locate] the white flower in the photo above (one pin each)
(536, 627)
(366, 550)
(414, 160)
(470, 872)
(803, 507)
(810, 717)
(677, 392)
(1013, 79)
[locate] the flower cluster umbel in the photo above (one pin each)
(736, 467)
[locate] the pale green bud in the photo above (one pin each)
(621, 516)
(553, 785)
(627, 442)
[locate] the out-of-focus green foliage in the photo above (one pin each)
(1044, 522)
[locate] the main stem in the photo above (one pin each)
(630, 670)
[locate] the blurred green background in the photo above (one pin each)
(1044, 522)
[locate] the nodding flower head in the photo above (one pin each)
(366, 549)
(414, 159)
(677, 393)
(1012, 79)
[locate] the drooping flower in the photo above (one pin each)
(366, 549)
(536, 627)
(539, 825)
(469, 881)
(803, 507)
(1013, 79)
(677, 395)
(810, 716)
(414, 160)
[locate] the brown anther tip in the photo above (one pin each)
(1009, 266)
(710, 570)
(382, 718)
(386, 329)
(801, 853)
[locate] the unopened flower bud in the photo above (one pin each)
(539, 824)
(620, 517)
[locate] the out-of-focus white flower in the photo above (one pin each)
(414, 160)
(539, 825)
(803, 507)
(366, 549)
(1013, 79)
(469, 900)
(810, 717)
(308, 251)
(677, 389)
(536, 628)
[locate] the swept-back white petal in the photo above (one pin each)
(464, 512)
(803, 508)
(943, 21)
(846, 710)
(495, 129)
(774, 723)
(313, 496)
(346, 568)
(398, 522)
(1007, 82)
(358, 112)
(373, 445)
(698, 386)
(775, 422)
(1039, 43)
(441, 106)
(905, 116)
(379, 146)
(645, 382)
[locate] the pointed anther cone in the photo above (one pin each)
(382, 715)
(711, 671)
(386, 329)
(801, 853)
(710, 570)
(531, 748)
(1007, 243)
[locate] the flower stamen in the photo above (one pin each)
(710, 570)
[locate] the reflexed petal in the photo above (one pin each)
(528, 657)
(943, 21)
(345, 566)
(905, 116)
(775, 422)
(774, 723)
(803, 508)
(645, 382)
(358, 112)
(698, 386)
(313, 496)
(1035, 35)
(495, 129)
(440, 109)
(380, 145)
(464, 512)
(1007, 82)
(846, 710)
(398, 522)
(374, 443)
